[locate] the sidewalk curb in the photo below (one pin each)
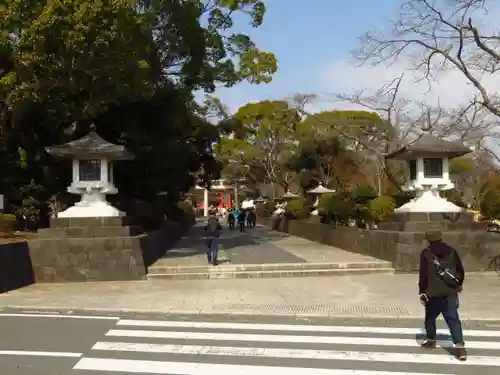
(241, 314)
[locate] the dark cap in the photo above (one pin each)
(434, 236)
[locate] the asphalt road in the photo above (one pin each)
(96, 343)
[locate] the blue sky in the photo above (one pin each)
(308, 41)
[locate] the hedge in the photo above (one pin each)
(7, 223)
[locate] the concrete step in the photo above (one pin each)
(267, 270)
(158, 268)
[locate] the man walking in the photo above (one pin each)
(251, 218)
(231, 219)
(440, 280)
(241, 220)
(212, 233)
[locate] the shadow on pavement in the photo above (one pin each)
(252, 246)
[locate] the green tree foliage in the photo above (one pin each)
(7, 223)
(326, 159)
(131, 67)
(266, 209)
(363, 193)
(341, 144)
(360, 130)
(266, 143)
(361, 196)
(197, 44)
(460, 165)
(298, 209)
(75, 57)
(141, 127)
(363, 132)
(336, 208)
(381, 208)
(490, 198)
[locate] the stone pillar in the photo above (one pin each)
(104, 170)
(205, 202)
(76, 170)
(236, 196)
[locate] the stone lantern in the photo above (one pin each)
(428, 173)
(318, 192)
(93, 159)
(259, 200)
(280, 207)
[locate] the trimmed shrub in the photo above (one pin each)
(364, 193)
(381, 208)
(265, 209)
(455, 196)
(297, 209)
(323, 204)
(403, 197)
(336, 207)
(187, 210)
(489, 198)
(7, 223)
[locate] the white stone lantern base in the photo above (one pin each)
(93, 202)
(428, 200)
(94, 209)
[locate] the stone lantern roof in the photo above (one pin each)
(90, 146)
(431, 146)
(289, 195)
(320, 189)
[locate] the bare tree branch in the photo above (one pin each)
(388, 105)
(440, 34)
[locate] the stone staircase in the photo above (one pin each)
(226, 270)
(260, 253)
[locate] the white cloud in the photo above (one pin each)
(449, 88)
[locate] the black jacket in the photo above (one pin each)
(429, 282)
(213, 227)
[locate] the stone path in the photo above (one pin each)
(254, 246)
(259, 252)
(360, 296)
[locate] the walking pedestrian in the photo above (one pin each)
(441, 278)
(251, 218)
(241, 220)
(212, 233)
(231, 220)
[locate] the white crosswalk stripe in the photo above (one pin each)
(217, 348)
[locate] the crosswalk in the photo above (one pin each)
(231, 348)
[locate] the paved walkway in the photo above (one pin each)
(363, 296)
(258, 245)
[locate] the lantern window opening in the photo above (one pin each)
(433, 167)
(412, 165)
(110, 172)
(89, 170)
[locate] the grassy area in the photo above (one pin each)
(15, 237)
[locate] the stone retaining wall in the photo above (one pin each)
(84, 259)
(156, 243)
(16, 270)
(480, 250)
